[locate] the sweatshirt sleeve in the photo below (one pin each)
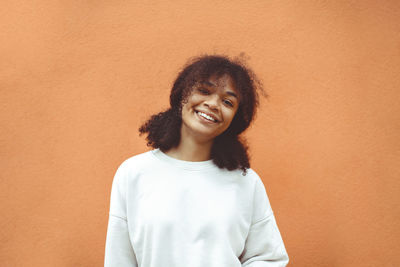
(118, 249)
(264, 245)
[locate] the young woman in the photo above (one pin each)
(194, 201)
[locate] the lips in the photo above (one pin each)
(207, 116)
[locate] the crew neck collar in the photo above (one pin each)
(188, 165)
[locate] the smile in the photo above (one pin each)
(206, 116)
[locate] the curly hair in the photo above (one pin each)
(228, 150)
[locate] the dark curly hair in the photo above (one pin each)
(229, 150)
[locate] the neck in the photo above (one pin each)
(190, 149)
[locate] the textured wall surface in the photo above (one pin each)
(77, 78)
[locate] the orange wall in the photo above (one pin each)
(77, 78)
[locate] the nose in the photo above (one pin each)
(212, 102)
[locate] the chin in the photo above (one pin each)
(206, 135)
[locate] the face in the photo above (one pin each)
(210, 108)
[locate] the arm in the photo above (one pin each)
(264, 246)
(119, 251)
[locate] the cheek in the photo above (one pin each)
(185, 111)
(230, 114)
(194, 100)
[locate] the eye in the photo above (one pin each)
(228, 102)
(203, 91)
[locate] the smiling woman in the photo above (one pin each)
(194, 200)
(220, 88)
(209, 110)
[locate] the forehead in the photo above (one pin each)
(224, 83)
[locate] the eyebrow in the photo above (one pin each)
(232, 94)
(208, 83)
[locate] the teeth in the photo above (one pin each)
(206, 116)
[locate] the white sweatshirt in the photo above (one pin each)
(166, 212)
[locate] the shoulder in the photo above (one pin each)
(261, 204)
(137, 163)
(249, 180)
(251, 173)
(258, 184)
(252, 176)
